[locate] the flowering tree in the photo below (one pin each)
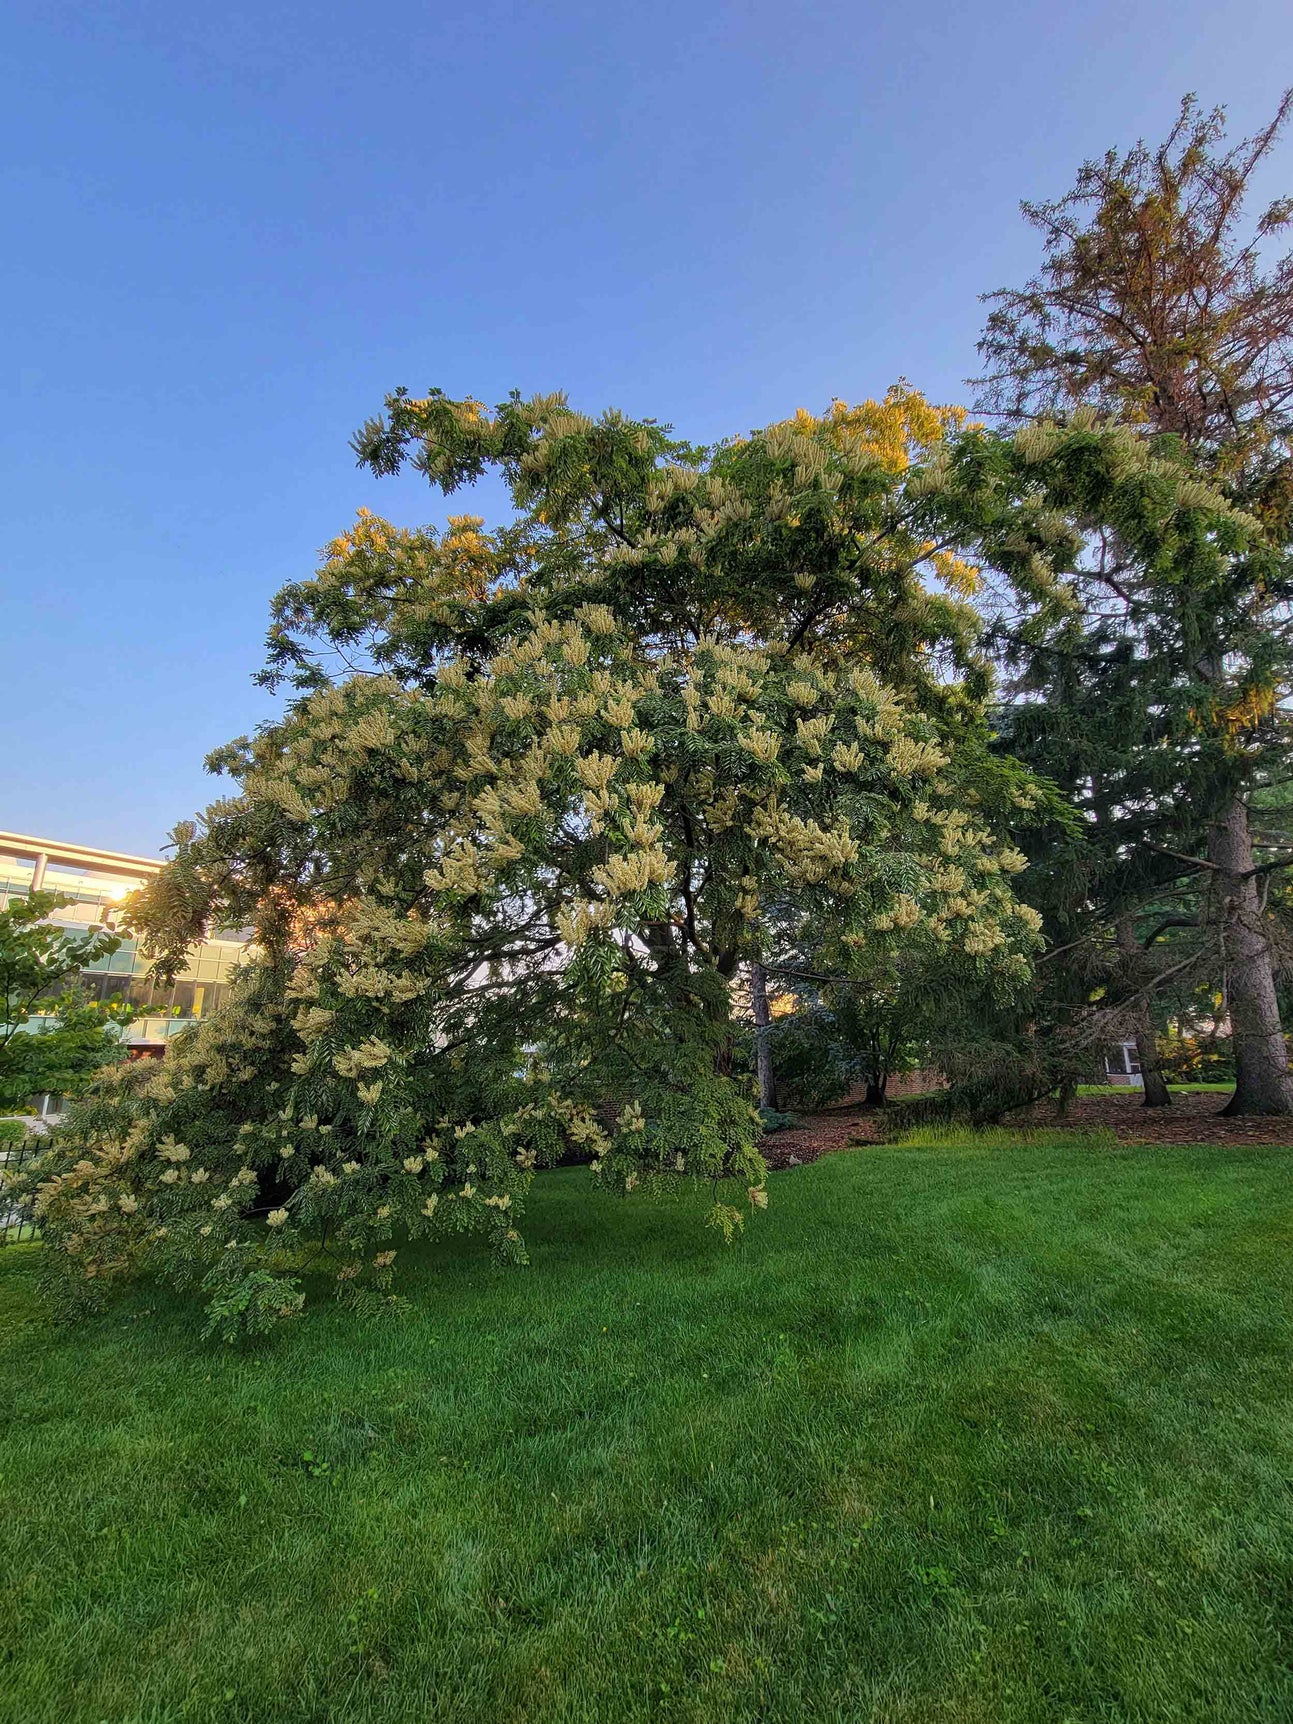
(531, 808)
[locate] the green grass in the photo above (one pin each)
(977, 1431)
(1175, 1088)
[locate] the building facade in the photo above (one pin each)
(97, 881)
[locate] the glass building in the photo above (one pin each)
(97, 881)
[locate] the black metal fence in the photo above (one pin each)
(16, 1220)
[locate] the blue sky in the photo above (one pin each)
(233, 228)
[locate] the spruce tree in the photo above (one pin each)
(1156, 304)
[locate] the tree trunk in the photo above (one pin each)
(762, 1049)
(875, 1088)
(1262, 1081)
(1151, 1073)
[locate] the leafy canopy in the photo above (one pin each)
(38, 957)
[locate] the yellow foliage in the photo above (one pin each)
(893, 431)
(958, 576)
(1252, 707)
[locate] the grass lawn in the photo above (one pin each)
(1175, 1088)
(988, 1432)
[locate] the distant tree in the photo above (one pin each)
(38, 959)
(1156, 305)
(886, 1012)
(876, 1009)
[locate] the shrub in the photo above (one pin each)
(1197, 1059)
(774, 1120)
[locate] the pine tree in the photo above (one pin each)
(1155, 305)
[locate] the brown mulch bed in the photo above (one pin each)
(819, 1134)
(1190, 1119)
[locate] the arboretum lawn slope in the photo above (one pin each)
(978, 1431)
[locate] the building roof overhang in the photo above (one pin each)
(87, 856)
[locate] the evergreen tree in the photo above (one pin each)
(1155, 304)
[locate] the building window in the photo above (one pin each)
(1122, 1063)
